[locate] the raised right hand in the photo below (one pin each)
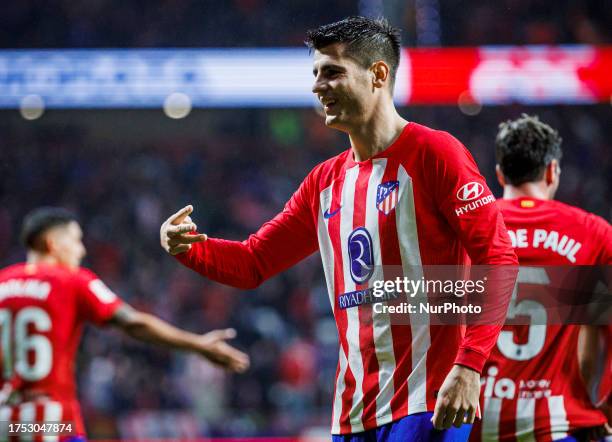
(175, 234)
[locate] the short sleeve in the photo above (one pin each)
(97, 303)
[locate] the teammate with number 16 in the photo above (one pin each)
(44, 304)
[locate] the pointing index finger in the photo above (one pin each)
(180, 216)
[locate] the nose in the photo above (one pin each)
(319, 85)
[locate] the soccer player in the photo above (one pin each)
(402, 195)
(44, 304)
(535, 383)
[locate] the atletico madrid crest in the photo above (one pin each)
(386, 196)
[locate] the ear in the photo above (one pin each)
(500, 176)
(550, 172)
(48, 242)
(380, 69)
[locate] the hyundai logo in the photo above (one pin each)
(470, 191)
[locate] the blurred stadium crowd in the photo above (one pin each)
(238, 168)
(188, 23)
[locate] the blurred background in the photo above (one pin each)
(124, 167)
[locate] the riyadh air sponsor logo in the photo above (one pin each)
(364, 297)
(361, 255)
(470, 191)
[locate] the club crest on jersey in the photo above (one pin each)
(361, 255)
(387, 196)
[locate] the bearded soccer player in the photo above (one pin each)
(536, 384)
(402, 195)
(44, 304)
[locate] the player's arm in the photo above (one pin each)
(588, 354)
(280, 243)
(212, 345)
(482, 233)
(594, 338)
(590, 340)
(99, 305)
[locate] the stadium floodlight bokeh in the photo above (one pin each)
(83, 126)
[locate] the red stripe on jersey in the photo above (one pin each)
(367, 348)
(476, 432)
(340, 314)
(542, 413)
(15, 419)
(334, 417)
(39, 416)
(507, 421)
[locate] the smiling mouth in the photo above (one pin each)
(329, 105)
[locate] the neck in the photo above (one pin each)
(34, 257)
(378, 133)
(537, 190)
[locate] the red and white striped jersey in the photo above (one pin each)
(420, 202)
(43, 309)
(532, 389)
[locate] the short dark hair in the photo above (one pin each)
(524, 147)
(40, 220)
(367, 40)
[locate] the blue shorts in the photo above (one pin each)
(413, 428)
(579, 436)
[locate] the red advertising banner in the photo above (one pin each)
(502, 75)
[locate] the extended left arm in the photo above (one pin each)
(212, 345)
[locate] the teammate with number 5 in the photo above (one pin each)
(536, 383)
(44, 304)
